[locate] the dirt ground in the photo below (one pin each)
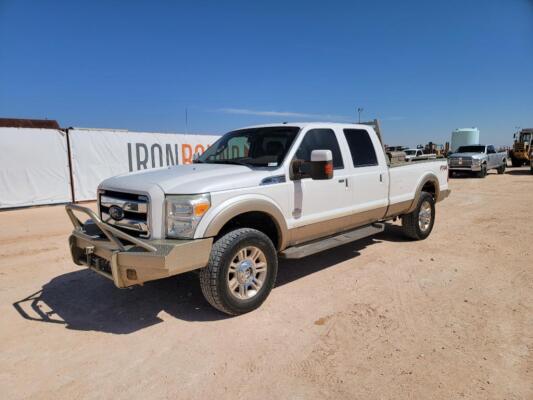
(450, 317)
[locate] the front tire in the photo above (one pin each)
(241, 271)
(483, 172)
(418, 224)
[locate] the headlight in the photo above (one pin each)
(184, 212)
(476, 160)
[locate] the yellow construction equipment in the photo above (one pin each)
(520, 153)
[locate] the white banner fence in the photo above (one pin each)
(35, 167)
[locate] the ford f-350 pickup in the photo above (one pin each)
(258, 193)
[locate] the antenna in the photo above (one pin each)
(186, 120)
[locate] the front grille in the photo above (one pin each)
(125, 211)
(460, 162)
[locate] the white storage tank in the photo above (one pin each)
(464, 137)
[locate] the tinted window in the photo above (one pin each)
(320, 139)
(255, 147)
(471, 149)
(491, 150)
(361, 147)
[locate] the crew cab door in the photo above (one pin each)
(319, 205)
(369, 177)
(492, 157)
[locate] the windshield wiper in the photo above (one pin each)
(236, 162)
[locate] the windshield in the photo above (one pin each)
(260, 147)
(410, 152)
(471, 149)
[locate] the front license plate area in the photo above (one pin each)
(98, 263)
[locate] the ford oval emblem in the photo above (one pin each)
(116, 213)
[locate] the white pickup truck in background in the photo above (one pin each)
(417, 154)
(477, 158)
(258, 193)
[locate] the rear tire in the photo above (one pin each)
(501, 169)
(418, 224)
(241, 271)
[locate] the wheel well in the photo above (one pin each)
(261, 221)
(430, 188)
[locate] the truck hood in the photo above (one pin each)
(466, 155)
(188, 179)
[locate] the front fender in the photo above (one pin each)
(231, 208)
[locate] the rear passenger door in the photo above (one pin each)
(492, 160)
(369, 176)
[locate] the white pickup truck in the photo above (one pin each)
(478, 158)
(258, 193)
(417, 154)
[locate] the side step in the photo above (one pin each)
(317, 246)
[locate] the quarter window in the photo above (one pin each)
(361, 147)
(320, 139)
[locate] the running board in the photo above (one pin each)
(317, 246)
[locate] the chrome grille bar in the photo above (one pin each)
(133, 213)
(135, 206)
(460, 162)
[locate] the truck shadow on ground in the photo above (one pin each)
(518, 172)
(472, 175)
(83, 300)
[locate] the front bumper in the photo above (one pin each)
(473, 168)
(128, 260)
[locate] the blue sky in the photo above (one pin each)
(422, 67)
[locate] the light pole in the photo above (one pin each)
(359, 111)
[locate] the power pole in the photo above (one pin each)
(359, 111)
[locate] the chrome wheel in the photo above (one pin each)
(247, 273)
(424, 216)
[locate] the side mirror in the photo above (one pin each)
(321, 164)
(320, 167)
(195, 156)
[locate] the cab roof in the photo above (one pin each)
(302, 125)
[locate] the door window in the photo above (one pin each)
(320, 139)
(361, 147)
